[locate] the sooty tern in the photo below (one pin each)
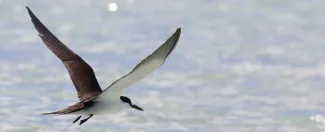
(94, 100)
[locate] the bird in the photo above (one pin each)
(92, 99)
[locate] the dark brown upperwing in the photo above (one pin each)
(73, 108)
(81, 74)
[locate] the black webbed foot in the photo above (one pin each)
(77, 119)
(84, 120)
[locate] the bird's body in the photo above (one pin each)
(103, 108)
(94, 100)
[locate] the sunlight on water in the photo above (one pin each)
(239, 66)
(112, 7)
(318, 119)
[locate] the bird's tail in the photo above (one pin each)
(51, 113)
(74, 108)
(60, 112)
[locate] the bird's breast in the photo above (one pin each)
(106, 107)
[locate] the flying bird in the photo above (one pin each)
(92, 99)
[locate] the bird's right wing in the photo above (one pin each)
(141, 70)
(81, 74)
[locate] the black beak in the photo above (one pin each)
(137, 107)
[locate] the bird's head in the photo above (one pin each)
(128, 101)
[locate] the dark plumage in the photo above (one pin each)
(81, 74)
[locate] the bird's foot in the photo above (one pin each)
(84, 120)
(77, 119)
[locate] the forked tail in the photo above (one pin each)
(52, 113)
(74, 108)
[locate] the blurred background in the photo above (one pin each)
(240, 65)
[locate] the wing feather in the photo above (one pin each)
(81, 74)
(144, 68)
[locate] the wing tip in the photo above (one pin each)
(177, 34)
(173, 40)
(178, 31)
(31, 14)
(28, 9)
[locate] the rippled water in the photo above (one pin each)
(240, 66)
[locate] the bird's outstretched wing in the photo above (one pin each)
(81, 74)
(141, 70)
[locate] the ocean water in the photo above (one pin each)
(240, 65)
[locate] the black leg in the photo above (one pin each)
(77, 119)
(84, 120)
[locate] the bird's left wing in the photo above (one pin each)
(81, 74)
(141, 70)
